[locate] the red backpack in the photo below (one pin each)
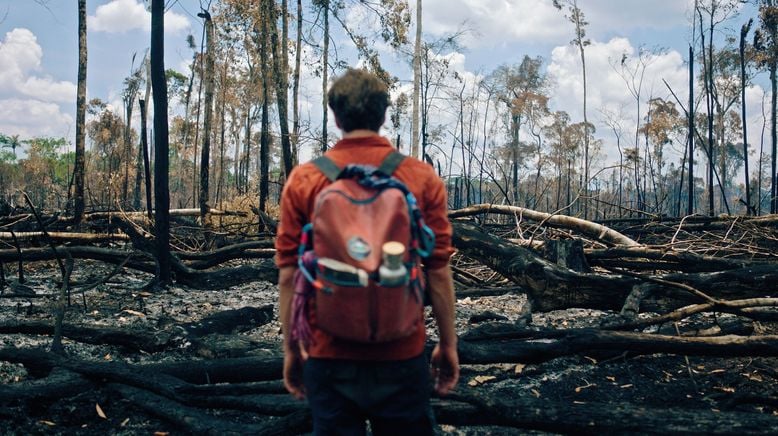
(359, 257)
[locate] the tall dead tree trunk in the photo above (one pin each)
(279, 73)
(773, 137)
(129, 101)
(296, 79)
(264, 141)
(235, 134)
(222, 134)
(743, 33)
(707, 62)
(138, 171)
(325, 70)
(768, 17)
(79, 168)
(581, 43)
(161, 145)
(187, 101)
(197, 119)
(416, 84)
(515, 126)
(145, 150)
(142, 166)
(205, 159)
(690, 115)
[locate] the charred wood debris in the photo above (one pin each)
(693, 286)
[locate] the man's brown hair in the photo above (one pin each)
(359, 100)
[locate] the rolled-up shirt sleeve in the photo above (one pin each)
(435, 213)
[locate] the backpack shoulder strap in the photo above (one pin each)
(390, 163)
(327, 167)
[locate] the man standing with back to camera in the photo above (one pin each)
(347, 382)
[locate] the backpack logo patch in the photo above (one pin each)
(358, 248)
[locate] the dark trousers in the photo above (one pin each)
(393, 396)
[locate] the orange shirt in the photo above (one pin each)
(297, 204)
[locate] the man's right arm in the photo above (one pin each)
(440, 284)
(445, 360)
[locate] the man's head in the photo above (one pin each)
(359, 100)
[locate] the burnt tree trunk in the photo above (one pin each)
(205, 159)
(161, 145)
(79, 166)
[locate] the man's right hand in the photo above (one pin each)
(445, 368)
(293, 374)
(444, 360)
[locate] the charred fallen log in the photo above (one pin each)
(188, 406)
(231, 370)
(589, 228)
(506, 343)
(108, 255)
(134, 340)
(244, 250)
(551, 287)
(198, 421)
(60, 383)
(548, 286)
(658, 259)
(502, 344)
(228, 321)
(142, 261)
(62, 237)
(619, 418)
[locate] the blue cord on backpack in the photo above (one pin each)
(305, 234)
(368, 176)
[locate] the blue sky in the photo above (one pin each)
(38, 51)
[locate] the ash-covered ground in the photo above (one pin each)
(651, 381)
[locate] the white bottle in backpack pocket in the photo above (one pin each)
(392, 272)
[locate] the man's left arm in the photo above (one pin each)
(286, 243)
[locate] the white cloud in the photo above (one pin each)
(605, 15)
(505, 22)
(495, 21)
(606, 88)
(32, 118)
(19, 52)
(20, 56)
(30, 101)
(120, 16)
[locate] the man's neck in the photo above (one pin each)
(359, 133)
